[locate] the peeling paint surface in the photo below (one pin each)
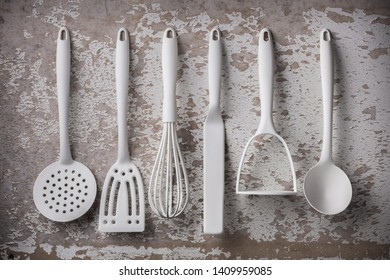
(254, 227)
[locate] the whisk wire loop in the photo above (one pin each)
(168, 191)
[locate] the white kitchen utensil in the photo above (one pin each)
(326, 187)
(266, 126)
(168, 189)
(214, 143)
(122, 205)
(66, 189)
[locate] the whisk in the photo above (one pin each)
(168, 189)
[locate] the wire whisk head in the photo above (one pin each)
(168, 189)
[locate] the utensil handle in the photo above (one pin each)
(266, 79)
(215, 67)
(63, 85)
(122, 62)
(326, 57)
(169, 69)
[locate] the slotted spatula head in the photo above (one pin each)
(122, 203)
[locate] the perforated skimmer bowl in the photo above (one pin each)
(64, 192)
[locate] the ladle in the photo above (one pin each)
(326, 187)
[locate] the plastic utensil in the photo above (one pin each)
(214, 143)
(122, 205)
(326, 187)
(66, 189)
(168, 189)
(266, 126)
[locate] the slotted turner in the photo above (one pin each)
(122, 206)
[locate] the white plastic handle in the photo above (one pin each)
(63, 85)
(215, 67)
(326, 57)
(266, 79)
(169, 69)
(122, 62)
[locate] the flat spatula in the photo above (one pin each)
(214, 143)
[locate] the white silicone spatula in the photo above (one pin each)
(214, 143)
(122, 206)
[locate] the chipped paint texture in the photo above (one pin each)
(255, 227)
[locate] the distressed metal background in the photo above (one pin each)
(255, 227)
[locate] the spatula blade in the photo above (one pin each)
(122, 207)
(214, 177)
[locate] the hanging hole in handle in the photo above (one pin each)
(266, 36)
(326, 36)
(215, 36)
(170, 33)
(63, 35)
(122, 36)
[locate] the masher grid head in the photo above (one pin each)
(242, 164)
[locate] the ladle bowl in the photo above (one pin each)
(327, 188)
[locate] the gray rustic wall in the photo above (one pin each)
(255, 227)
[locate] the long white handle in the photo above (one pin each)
(266, 78)
(215, 67)
(122, 60)
(63, 84)
(326, 56)
(169, 69)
